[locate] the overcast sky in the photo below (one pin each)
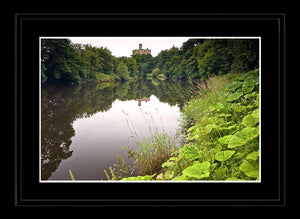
(123, 46)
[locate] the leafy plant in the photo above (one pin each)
(242, 137)
(222, 140)
(224, 155)
(198, 170)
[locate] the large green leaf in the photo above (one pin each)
(189, 152)
(225, 139)
(165, 164)
(250, 120)
(192, 128)
(180, 178)
(250, 95)
(247, 89)
(253, 156)
(249, 169)
(218, 148)
(235, 96)
(198, 170)
(234, 85)
(223, 155)
(242, 137)
(250, 81)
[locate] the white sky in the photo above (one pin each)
(123, 46)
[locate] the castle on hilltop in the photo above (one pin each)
(141, 51)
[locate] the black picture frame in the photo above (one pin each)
(28, 27)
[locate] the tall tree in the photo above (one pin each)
(60, 61)
(122, 71)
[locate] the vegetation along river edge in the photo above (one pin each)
(221, 140)
(219, 126)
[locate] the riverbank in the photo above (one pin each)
(221, 126)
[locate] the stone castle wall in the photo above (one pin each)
(141, 51)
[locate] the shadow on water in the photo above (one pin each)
(61, 105)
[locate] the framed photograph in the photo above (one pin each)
(118, 109)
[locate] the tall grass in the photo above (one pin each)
(152, 152)
(206, 94)
(148, 153)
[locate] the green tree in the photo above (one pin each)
(191, 67)
(131, 64)
(190, 44)
(122, 71)
(106, 57)
(60, 61)
(245, 54)
(144, 63)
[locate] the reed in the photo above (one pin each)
(152, 152)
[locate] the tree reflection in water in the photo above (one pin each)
(61, 105)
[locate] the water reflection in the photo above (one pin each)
(64, 107)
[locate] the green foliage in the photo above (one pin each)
(105, 78)
(122, 71)
(144, 63)
(151, 153)
(197, 58)
(161, 77)
(243, 137)
(131, 64)
(63, 61)
(253, 156)
(113, 175)
(190, 44)
(120, 170)
(60, 61)
(224, 155)
(222, 141)
(249, 169)
(225, 139)
(252, 119)
(156, 72)
(235, 96)
(198, 170)
(139, 178)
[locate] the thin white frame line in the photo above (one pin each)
(160, 181)
(40, 110)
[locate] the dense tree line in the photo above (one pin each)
(64, 61)
(198, 58)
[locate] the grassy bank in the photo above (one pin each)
(222, 134)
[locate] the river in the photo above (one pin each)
(84, 127)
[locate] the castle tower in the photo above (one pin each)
(141, 50)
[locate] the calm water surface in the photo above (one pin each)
(85, 127)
